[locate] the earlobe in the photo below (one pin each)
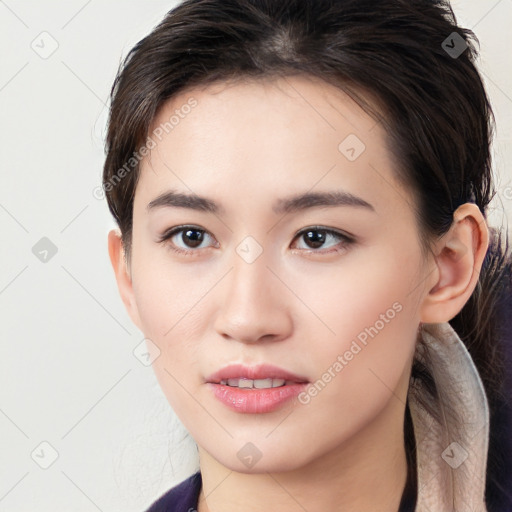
(459, 255)
(122, 275)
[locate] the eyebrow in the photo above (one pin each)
(291, 204)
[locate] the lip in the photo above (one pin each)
(254, 400)
(261, 371)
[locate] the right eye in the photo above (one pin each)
(191, 236)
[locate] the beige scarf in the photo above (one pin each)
(451, 454)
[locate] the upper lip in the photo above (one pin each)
(261, 371)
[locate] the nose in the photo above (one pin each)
(254, 304)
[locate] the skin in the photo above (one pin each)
(297, 306)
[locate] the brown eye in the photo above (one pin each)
(196, 236)
(184, 239)
(315, 238)
(318, 237)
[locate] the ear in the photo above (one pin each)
(123, 275)
(459, 255)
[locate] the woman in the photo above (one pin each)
(301, 191)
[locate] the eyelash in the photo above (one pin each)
(165, 239)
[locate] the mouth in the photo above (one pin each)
(257, 389)
(243, 383)
(261, 376)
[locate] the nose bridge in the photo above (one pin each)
(249, 307)
(250, 281)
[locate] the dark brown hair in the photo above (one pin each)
(430, 98)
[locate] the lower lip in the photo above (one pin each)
(255, 400)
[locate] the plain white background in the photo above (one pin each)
(69, 377)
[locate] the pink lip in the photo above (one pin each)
(255, 401)
(262, 371)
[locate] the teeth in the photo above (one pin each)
(254, 383)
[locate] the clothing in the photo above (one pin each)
(451, 453)
(181, 498)
(185, 496)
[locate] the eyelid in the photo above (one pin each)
(176, 229)
(337, 232)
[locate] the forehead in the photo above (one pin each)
(247, 103)
(284, 134)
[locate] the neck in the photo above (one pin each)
(364, 474)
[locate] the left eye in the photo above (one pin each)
(192, 237)
(317, 236)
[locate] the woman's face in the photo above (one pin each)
(327, 291)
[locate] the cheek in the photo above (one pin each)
(366, 288)
(171, 312)
(357, 382)
(168, 315)
(368, 331)
(167, 293)
(170, 300)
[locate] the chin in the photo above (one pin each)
(250, 460)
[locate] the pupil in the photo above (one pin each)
(195, 240)
(318, 240)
